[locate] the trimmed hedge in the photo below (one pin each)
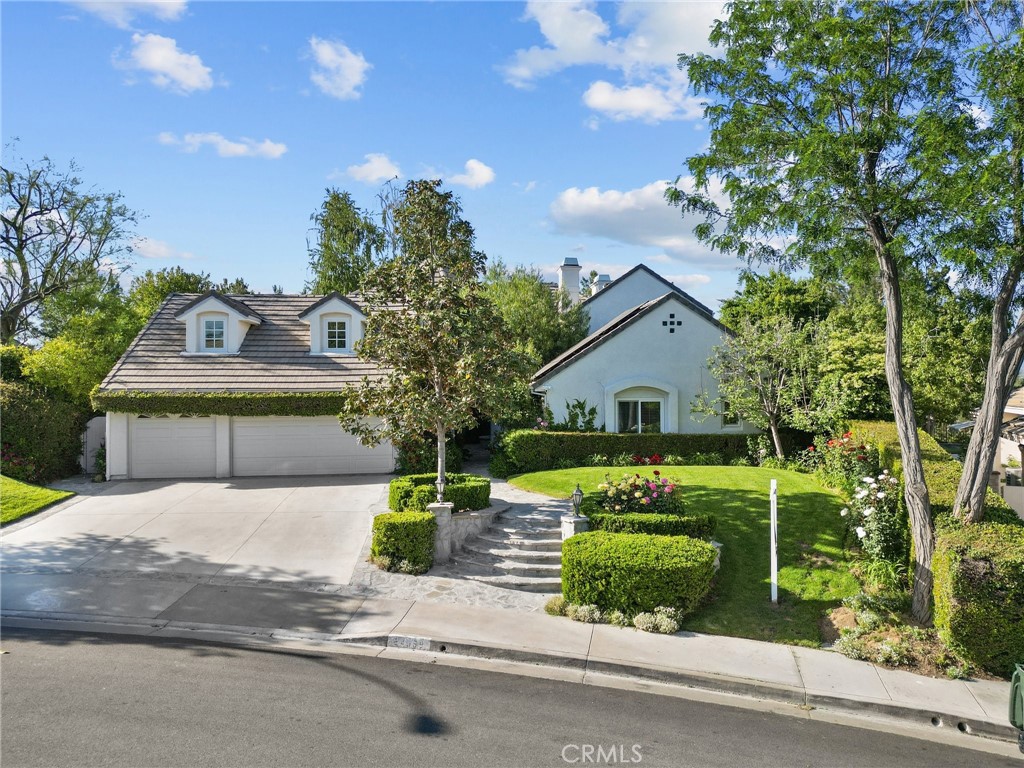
(941, 472)
(219, 403)
(415, 457)
(404, 541)
(636, 573)
(697, 526)
(530, 450)
(41, 434)
(979, 594)
(415, 492)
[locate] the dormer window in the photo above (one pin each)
(336, 335)
(213, 335)
(336, 325)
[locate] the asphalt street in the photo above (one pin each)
(87, 700)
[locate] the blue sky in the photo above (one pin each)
(557, 124)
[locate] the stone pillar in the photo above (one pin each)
(571, 525)
(993, 480)
(443, 538)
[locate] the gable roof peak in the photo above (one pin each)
(327, 299)
(234, 304)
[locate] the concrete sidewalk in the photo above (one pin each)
(800, 677)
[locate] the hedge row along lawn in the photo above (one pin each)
(814, 568)
(18, 499)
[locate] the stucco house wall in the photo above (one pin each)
(623, 294)
(647, 360)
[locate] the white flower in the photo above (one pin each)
(879, 495)
(843, 512)
(860, 494)
(868, 511)
(861, 533)
(868, 480)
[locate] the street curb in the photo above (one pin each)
(716, 683)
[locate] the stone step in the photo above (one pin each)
(479, 564)
(525, 528)
(542, 584)
(546, 544)
(513, 553)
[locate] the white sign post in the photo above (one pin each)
(774, 495)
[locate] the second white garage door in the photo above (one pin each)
(302, 446)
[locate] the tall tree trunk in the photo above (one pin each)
(915, 491)
(440, 457)
(773, 426)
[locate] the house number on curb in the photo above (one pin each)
(671, 323)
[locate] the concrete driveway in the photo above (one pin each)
(286, 529)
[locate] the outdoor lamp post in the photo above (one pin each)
(577, 500)
(440, 488)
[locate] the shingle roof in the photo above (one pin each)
(605, 332)
(274, 356)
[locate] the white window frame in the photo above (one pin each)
(639, 413)
(204, 338)
(727, 424)
(325, 333)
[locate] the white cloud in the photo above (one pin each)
(653, 34)
(147, 248)
(243, 147)
(477, 175)
(168, 66)
(634, 217)
(377, 168)
(575, 33)
(649, 102)
(339, 71)
(122, 14)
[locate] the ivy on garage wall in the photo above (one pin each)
(219, 403)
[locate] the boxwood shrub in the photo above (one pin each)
(404, 541)
(415, 492)
(530, 450)
(697, 526)
(41, 433)
(979, 594)
(634, 573)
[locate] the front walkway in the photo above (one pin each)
(443, 583)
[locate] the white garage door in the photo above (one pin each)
(172, 447)
(278, 445)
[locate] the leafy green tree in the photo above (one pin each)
(766, 375)
(825, 119)
(148, 291)
(542, 322)
(56, 234)
(236, 286)
(437, 338)
(89, 344)
(346, 246)
(777, 294)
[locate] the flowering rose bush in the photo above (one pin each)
(634, 493)
(875, 515)
(639, 458)
(843, 461)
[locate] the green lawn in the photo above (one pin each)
(814, 569)
(18, 499)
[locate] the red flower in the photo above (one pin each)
(860, 457)
(810, 448)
